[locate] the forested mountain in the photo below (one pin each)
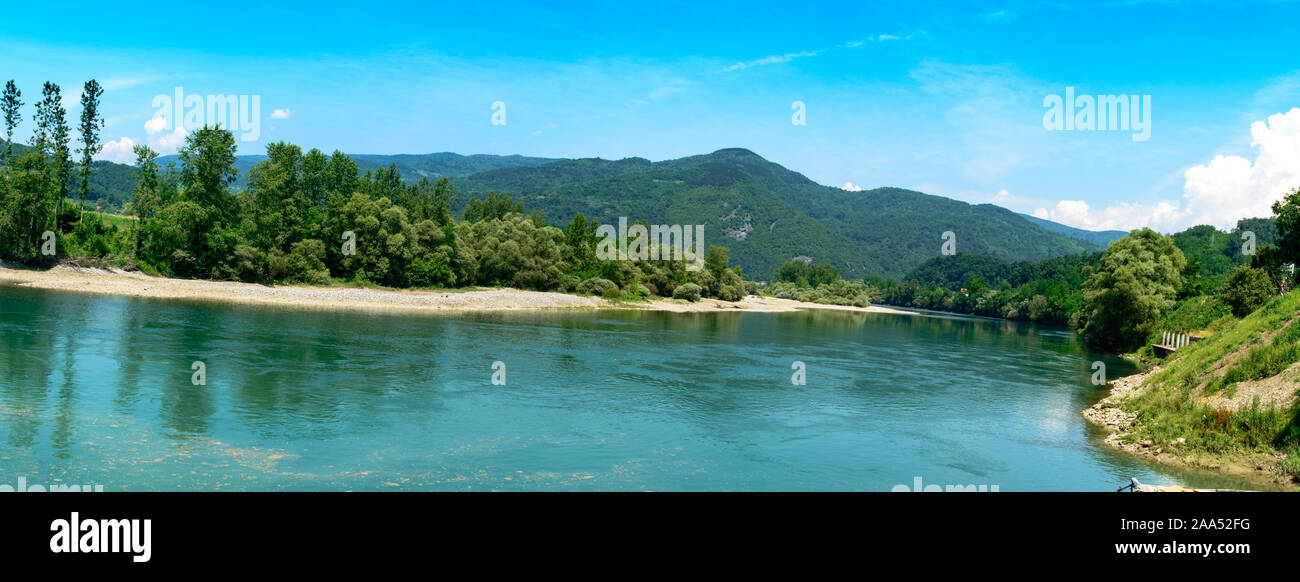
(1100, 238)
(412, 166)
(768, 214)
(765, 213)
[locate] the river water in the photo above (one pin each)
(100, 391)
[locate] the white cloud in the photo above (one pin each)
(1229, 188)
(851, 187)
(1219, 192)
(281, 113)
(118, 150)
(787, 57)
(672, 87)
(169, 143)
(773, 60)
(155, 125)
(1161, 216)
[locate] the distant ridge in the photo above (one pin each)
(765, 213)
(1101, 238)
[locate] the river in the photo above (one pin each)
(101, 390)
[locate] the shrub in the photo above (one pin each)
(1291, 464)
(1246, 289)
(687, 291)
(638, 291)
(596, 286)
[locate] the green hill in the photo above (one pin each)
(765, 213)
(1233, 398)
(1100, 238)
(768, 214)
(412, 166)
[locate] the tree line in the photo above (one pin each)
(304, 217)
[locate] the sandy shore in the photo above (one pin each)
(135, 284)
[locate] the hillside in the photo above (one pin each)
(412, 166)
(765, 213)
(1228, 402)
(768, 214)
(1100, 238)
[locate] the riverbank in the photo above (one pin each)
(136, 284)
(1117, 415)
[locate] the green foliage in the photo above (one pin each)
(793, 271)
(27, 195)
(1203, 313)
(1291, 464)
(1287, 211)
(514, 251)
(11, 105)
(1263, 361)
(494, 206)
(840, 292)
(688, 291)
(1169, 405)
(771, 214)
(1246, 289)
(1134, 284)
(91, 123)
(596, 286)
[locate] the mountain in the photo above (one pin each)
(1101, 238)
(767, 214)
(412, 166)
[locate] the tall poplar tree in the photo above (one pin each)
(91, 122)
(11, 104)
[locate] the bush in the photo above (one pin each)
(1246, 289)
(687, 291)
(638, 291)
(1291, 464)
(596, 286)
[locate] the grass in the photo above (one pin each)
(1202, 315)
(1291, 464)
(1168, 409)
(1263, 361)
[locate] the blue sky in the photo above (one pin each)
(946, 98)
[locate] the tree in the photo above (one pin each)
(1269, 259)
(146, 198)
(52, 137)
(1287, 211)
(495, 205)
(1246, 289)
(1134, 284)
(793, 271)
(91, 122)
(822, 274)
(208, 167)
(11, 104)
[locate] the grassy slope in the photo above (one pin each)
(1184, 399)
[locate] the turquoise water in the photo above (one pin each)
(98, 390)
